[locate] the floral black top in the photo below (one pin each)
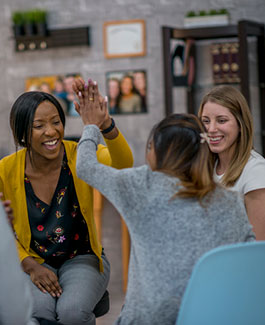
(58, 231)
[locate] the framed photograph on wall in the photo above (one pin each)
(127, 91)
(124, 38)
(60, 86)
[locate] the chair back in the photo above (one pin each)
(227, 287)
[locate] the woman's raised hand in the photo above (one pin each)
(92, 107)
(78, 85)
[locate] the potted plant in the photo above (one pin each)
(213, 17)
(40, 19)
(18, 23)
(30, 28)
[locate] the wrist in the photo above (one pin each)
(106, 124)
(28, 264)
(109, 128)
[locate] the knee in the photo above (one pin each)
(44, 308)
(75, 314)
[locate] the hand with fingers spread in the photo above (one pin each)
(90, 107)
(80, 87)
(45, 279)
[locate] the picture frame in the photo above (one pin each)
(124, 38)
(127, 91)
(60, 86)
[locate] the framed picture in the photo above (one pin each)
(60, 86)
(127, 92)
(124, 38)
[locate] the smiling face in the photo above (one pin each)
(47, 132)
(222, 128)
(114, 89)
(126, 86)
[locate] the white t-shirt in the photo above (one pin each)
(252, 177)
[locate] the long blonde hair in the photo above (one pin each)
(180, 153)
(232, 99)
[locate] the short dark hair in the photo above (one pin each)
(22, 115)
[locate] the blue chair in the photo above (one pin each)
(227, 287)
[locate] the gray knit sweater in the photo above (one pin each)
(167, 236)
(15, 298)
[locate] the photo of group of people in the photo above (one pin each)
(58, 85)
(127, 92)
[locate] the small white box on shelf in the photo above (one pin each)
(203, 21)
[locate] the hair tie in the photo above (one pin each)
(204, 138)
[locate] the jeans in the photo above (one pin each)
(83, 286)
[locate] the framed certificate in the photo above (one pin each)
(124, 38)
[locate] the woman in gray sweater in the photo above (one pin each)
(173, 209)
(15, 300)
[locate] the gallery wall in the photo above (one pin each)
(90, 61)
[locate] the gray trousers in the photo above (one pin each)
(83, 286)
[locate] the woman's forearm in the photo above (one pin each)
(254, 202)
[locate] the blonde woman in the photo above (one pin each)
(227, 118)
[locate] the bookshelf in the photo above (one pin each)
(242, 31)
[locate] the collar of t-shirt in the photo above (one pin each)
(217, 177)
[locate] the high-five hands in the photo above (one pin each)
(92, 107)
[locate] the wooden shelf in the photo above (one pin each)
(205, 32)
(242, 30)
(54, 38)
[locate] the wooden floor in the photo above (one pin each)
(111, 240)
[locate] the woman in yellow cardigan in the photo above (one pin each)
(53, 221)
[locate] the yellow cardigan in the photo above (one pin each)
(12, 170)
